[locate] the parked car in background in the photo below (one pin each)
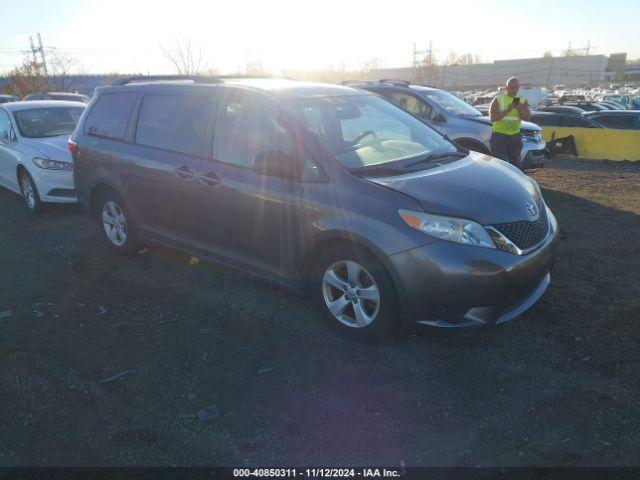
(621, 119)
(8, 98)
(70, 97)
(586, 106)
(625, 100)
(572, 98)
(565, 109)
(34, 159)
(550, 119)
(612, 105)
(457, 119)
(320, 188)
(484, 108)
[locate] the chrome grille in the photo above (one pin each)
(525, 234)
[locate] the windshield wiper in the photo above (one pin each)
(436, 156)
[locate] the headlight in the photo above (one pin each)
(52, 164)
(534, 137)
(447, 228)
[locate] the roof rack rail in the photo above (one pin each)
(240, 77)
(166, 78)
(395, 82)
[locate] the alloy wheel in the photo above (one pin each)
(27, 192)
(114, 223)
(351, 294)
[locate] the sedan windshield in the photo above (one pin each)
(450, 103)
(365, 130)
(47, 122)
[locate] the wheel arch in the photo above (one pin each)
(348, 240)
(20, 168)
(473, 144)
(96, 192)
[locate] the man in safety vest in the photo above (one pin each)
(507, 111)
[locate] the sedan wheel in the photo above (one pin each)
(114, 223)
(351, 294)
(30, 193)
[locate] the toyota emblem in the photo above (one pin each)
(532, 209)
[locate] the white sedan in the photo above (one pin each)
(34, 158)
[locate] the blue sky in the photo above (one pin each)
(127, 35)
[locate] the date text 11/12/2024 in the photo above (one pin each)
(317, 472)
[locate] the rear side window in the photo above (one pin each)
(546, 120)
(173, 122)
(624, 122)
(110, 115)
(576, 121)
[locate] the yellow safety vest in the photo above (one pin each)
(510, 124)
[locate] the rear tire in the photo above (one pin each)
(30, 193)
(116, 224)
(356, 294)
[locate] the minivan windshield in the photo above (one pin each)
(47, 122)
(365, 130)
(450, 103)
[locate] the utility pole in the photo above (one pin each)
(44, 60)
(33, 50)
(428, 53)
(39, 50)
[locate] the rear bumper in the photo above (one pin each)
(445, 284)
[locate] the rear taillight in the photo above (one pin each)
(72, 146)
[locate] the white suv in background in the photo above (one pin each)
(34, 159)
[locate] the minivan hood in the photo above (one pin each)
(54, 148)
(485, 119)
(478, 187)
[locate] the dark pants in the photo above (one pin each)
(507, 148)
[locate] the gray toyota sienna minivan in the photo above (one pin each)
(323, 189)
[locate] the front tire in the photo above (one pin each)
(30, 193)
(356, 294)
(117, 225)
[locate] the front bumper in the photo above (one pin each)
(534, 154)
(54, 186)
(445, 284)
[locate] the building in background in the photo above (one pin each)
(571, 71)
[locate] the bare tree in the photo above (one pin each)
(60, 68)
(253, 66)
(464, 59)
(186, 58)
(26, 78)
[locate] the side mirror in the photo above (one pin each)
(276, 163)
(4, 136)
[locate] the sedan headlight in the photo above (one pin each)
(452, 229)
(52, 164)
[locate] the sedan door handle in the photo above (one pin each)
(184, 172)
(210, 179)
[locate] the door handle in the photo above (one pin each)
(210, 179)
(184, 172)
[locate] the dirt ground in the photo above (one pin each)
(107, 360)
